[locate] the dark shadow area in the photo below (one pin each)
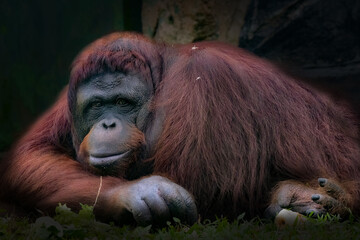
(316, 40)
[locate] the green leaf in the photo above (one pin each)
(46, 227)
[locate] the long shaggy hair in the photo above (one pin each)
(235, 125)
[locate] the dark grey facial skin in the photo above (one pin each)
(110, 95)
(108, 109)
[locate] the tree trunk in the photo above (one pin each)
(186, 21)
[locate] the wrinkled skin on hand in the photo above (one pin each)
(328, 197)
(153, 200)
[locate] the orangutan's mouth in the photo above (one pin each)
(103, 160)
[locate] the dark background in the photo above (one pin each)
(38, 41)
(40, 38)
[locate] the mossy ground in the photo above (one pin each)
(70, 225)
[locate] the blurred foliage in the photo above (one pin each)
(38, 41)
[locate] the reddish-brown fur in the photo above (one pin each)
(42, 171)
(234, 127)
(243, 126)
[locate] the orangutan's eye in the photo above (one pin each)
(96, 104)
(122, 102)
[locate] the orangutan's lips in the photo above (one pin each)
(97, 160)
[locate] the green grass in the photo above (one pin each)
(70, 225)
